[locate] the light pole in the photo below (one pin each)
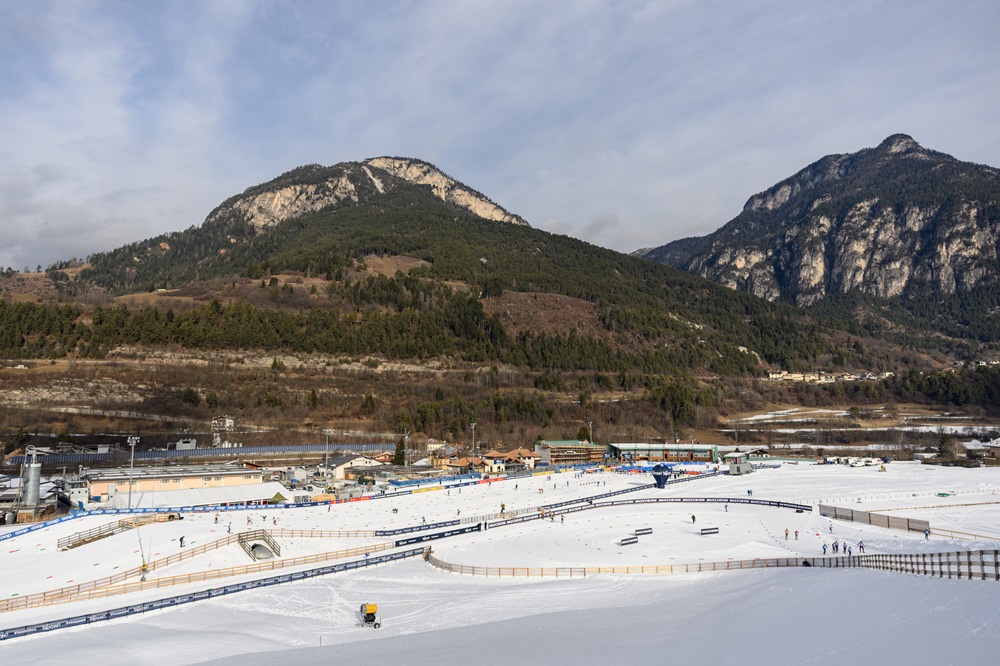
(590, 429)
(406, 450)
(472, 465)
(132, 441)
(326, 457)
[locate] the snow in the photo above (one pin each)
(775, 616)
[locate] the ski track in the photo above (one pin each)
(431, 616)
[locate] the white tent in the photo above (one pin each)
(254, 492)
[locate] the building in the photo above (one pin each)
(656, 452)
(519, 460)
(569, 452)
(494, 463)
(343, 466)
(256, 493)
(739, 463)
(465, 465)
(104, 484)
(224, 422)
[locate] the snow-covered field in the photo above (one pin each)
(774, 616)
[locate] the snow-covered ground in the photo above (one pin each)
(776, 616)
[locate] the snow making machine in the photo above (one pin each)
(369, 617)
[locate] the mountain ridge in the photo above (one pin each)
(892, 221)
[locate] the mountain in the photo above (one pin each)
(897, 223)
(391, 257)
(313, 188)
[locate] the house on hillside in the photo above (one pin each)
(224, 422)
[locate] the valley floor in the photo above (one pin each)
(776, 616)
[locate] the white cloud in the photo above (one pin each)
(122, 121)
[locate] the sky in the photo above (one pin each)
(625, 124)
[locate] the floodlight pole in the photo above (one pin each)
(326, 457)
(472, 464)
(590, 429)
(132, 441)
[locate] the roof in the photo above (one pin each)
(565, 443)
(167, 471)
(251, 492)
(464, 462)
(522, 453)
(645, 446)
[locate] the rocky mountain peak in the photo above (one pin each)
(445, 188)
(313, 187)
(896, 220)
(899, 143)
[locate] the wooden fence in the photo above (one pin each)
(968, 564)
(246, 541)
(106, 530)
(97, 588)
(872, 518)
(579, 572)
(972, 564)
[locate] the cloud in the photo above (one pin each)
(601, 224)
(124, 121)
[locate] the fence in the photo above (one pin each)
(876, 519)
(971, 565)
(107, 587)
(168, 602)
(185, 509)
(246, 540)
(109, 529)
(580, 572)
(222, 452)
(968, 564)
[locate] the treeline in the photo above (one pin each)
(647, 306)
(978, 387)
(31, 330)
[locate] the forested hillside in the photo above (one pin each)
(658, 319)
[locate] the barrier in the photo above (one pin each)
(230, 452)
(440, 535)
(97, 533)
(115, 585)
(971, 565)
(642, 531)
(710, 530)
(715, 500)
(125, 611)
(415, 528)
(876, 519)
(628, 541)
(187, 509)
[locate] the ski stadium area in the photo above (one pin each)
(556, 568)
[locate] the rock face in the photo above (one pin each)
(444, 187)
(313, 188)
(895, 220)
